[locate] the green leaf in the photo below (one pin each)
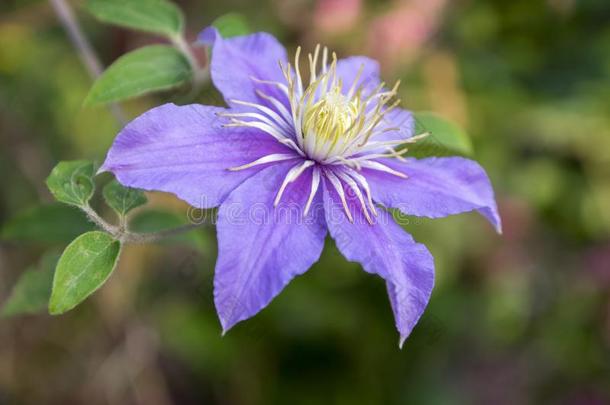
(31, 293)
(156, 16)
(83, 267)
(123, 199)
(49, 223)
(148, 69)
(72, 182)
(231, 25)
(446, 138)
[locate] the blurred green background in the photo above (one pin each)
(518, 318)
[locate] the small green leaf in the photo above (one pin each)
(123, 199)
(148, 69)
(156, 16)
(231, 25)
(48, 223)
(72, 182)
(83, 267)
(446, 138)
(31, 293)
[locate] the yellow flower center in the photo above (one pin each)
(331, 117)
(333, 131)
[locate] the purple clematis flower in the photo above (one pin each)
(291, 159)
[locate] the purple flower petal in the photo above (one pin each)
(237, 61)
(385, 249)
(400, 119)
(185, 151)
(347, 71)
(262, 247)
(435, 187)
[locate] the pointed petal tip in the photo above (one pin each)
(227, 322)
(226, 326)
(208, 36)
(401, 341)
(496, 221)
(103, 168)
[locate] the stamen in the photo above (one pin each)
(313, 62)
(291, 176)
(339, 189)
(273, 131)
(279, 85)
(376, 120)
(295, 105)
(353, 87)
(324, 59)
(333, 67)
(315, 182)
(416, 138)
(390, 154)
(280, 127)
(277, 104)
(298, 71)
(352, 185)
(275, 157)
(324, 124)
(374, 145)
(360, 179)
(290, 143)
(371, 164)
(347, 162)
(272, 114)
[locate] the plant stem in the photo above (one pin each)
(84, 48)
(200, 75)
(120, 233)
(99, 221)
(94, 67)
(149, 237)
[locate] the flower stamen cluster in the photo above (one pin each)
(329, 128)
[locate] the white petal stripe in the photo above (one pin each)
(291, 176)
(275, 157)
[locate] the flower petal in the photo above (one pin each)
(400, 121)
(435, 187)
(385, 249)
(185, 151)
(262, 247)
(238, 60)
(348, 68)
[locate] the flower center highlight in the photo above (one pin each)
(333, 128)
(325, 121)
(329, 121)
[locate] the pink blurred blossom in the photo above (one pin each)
(397, 36)
(336, 16)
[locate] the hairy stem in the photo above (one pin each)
(149, 237)
(99, 221)
(84, 48)
(200, 75)
(120, 233)
(93, 65)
